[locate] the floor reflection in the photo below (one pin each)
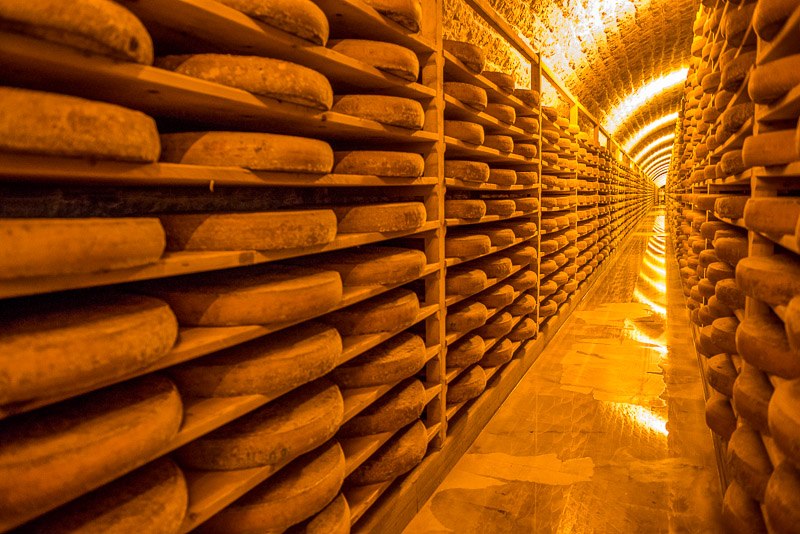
(606, 433)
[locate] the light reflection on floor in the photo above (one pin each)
(606, 433)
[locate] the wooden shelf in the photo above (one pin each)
(488, 218)
(792, 170)
(736, 140)
(784, 44)
(449, 262)
(491, 282)
(162, 93)
(457, 111)
(455, 149)
(786, 108)
(734, 222)
(179, 263)
(461, 185)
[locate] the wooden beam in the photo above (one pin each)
(499, 23)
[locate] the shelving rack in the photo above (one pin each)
(598, 173)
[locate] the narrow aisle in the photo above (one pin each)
(606, 433)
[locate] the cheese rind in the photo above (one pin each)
(772, 279)
(464, 209)
(466, 317)
(525, 329)
(721, 374)
(400, 406)
(772, 215)
(741, 513)
(782, 499)
(501, 112)
(501, 353)
(465, 281)
(784, 418)
(333, 519)
(466, 351)
(370, 265)
(390, 311)
(389, 110)
(761, 340)
(502, 207)
(468, 171)
(749, 462)
(770, 81)
(386, 57)
(469, 132)
(397, 456)
(391, 361)
(379, 163)
(469, 95)
(300, 18)
(502, 80)
(406, 13)
(502, 143)
(466, 246)
(389, 217)
(719, 416)
(469, 54)
(503, 176)
(496, 326)
(468, 385)
(497, 297)
(751, 393)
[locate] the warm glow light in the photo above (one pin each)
(639, 297)
(641, 416)
(661, 287)
(655, 144)
(660, 270)
(641, 134)
(657, 154)
(663, 166)
(657, 164)
(636, 100)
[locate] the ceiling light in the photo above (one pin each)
(636, 100)
(672, 117)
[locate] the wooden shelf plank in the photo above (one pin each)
(357, 450)
(736, 140)
(786, 108)
(458, 111)
(785, 43)
(455, 148)
(449, 262)
(491, 282)
(360, 498)
(461, 185)
(488, 218)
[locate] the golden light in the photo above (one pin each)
(639, 98)
(657, 154)
(655, 144)
(641, 416)
(655, 268)
(656, 124)
(658, 309)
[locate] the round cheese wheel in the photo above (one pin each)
(397, 456)
(548, 266)
(728, 293)
(390, 311)
(523, 281)
(496, 326)
(527, 177)
(773, 279)
(529, 124)
(707, 257)
(388, 363)
(466, 351)
(151, 499)
(258, 151)
(468, 385)
(465, 280)
(96, 26)
(751, 393)
(468, 94)
(502, 143)
(498, 296)
(60, 452)
(548, 246)
(772, 215)
(731, 249)
(560, 278)
(263, 76)
(734, 73)
(522, 228)
(705, 288)
(770, 148)
(572, 286)
(83, 245)
(718, 309)
(502, 176)
(521, 254)
(464, 209)
(466, 245)
(721, 374)
(468, 171)
(466, 317)
(400, 406)
(528, 96)
(525, 329)
(285, 428)
(389, 217)
(719, 416)
(50, 124)
(792, 323)
(387, 57)
(741, 513)
(499, 236)
(269, 366)
(406, 13)
(502, 80)
(57, 345)
(749, 462)
(470, 55)
(333, 519)
(774, 79)
(547, 308)
(465, 131)
(527, 150)
(253, 295)
(378, 163)
(494, 267)
(550, 112)
(732, 163)
(370, 265)
(502, 207)
(296, 492)
(301, 18)
(782, 499)
(526, 204)
(389, 110)
(730, 207)
(719, 271)
(524, 305)
(501, 353)
(559, 297)
(761, 340)
(784, 419)
(249, 231)
(501, 112)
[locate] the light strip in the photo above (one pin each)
(655, 169)
(628, 107)
(656, 124)
(657, 164)
(654, 155)
(655, 144)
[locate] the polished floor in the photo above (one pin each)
(606, 432)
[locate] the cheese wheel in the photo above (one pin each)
(572, 286)
(262, 76)
(257, 151)
(502, 207)
(761, 340)
(249, 231)
(548, 246)
(550, 112)
(741, 513)
(465, 317)
(751, 393)
(499, 296)
(732, 163)
(151, 499)
(468, 94)
(524, 280)
(465, 131)
(388, 363)
(731, 249)
(522, 228)
(468, 385)
(390, 311)
(718, 308)
(468, 171)
(559, 297)
(50, 124)
(296, 492)
(502, 80)
(496, 326)
(749, 462)
(378, 163)
(709, 229)
(464, 209)
(389, 110)
(502, 143)
(55, 454)
(370, 265)
(400, 406)
(58, 345)
(397, 456)
(772, 80)
(528, 96)
(501, 353)
(521, 254)
(782, 499)
(470, 55)
(502, 176)
(466, 280)
(529, 124)
(719, 271)
(333, 519)
(254, 295)
(730, 207)
(501, 112)
(772, 215)
(719, 416)
(548, 224)
(527, 177)
(723, 334)
(96, 26)
(551, 135)
(389, 217)
(525, 329)
(550, 158)
(770, 148)
(792, 322)
(773, 279)
(724, 97)
(406, 13)
(734, 73)
(494, 266)
(466, 351)
(548, 266)
(527, 150)
(547, 308)
(721, 374)
(285, 428)
(784, 422)
(387, 57)
(526, 204)
(466, 246)
(524, 305)
(499, 236)
(301, 18)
